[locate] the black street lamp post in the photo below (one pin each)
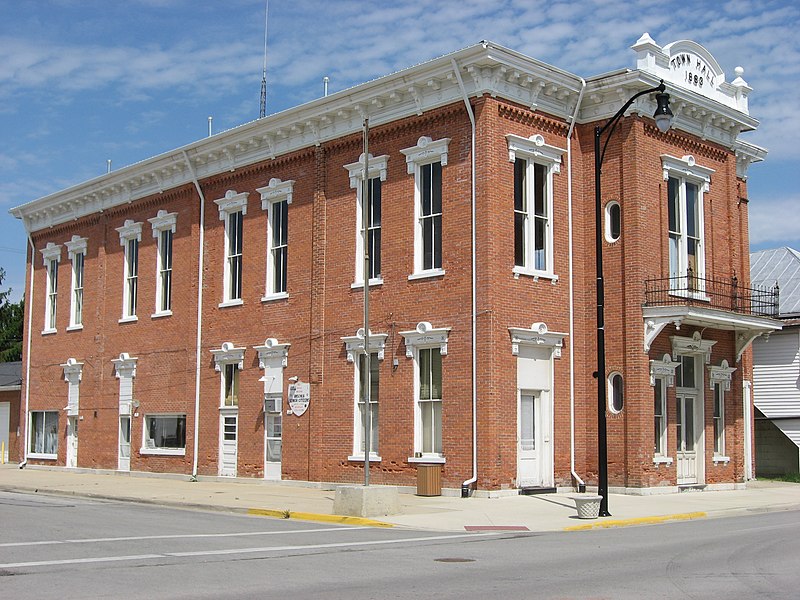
(663, 118)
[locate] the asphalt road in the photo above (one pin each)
(55, 547)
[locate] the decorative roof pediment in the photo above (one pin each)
(162, 221)
(124, 366)
(232, 202)
(664, 368)
(426, 336)
(534, 148)
(537, 335)
(272, 351)
(130, 230)
(687, 167)
(276, 191)
(51, 252)
(73, 371)
(76, 245)
(227, 354)
(721, 374)
(377, 168)
(691, 345)
(354, 344)
(425, 152)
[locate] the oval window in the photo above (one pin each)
(613, 221)
(615, 393)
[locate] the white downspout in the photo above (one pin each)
(465, 486)
(199, 340)
(29, 304)
(581, 484)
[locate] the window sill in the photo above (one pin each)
(43, 456)
(360, 458)
(426, 274)
(158, 315)
(721, 459)
(75, 328)
(537, 275)
(662, 460)
(272, 297)
(227, 303)
(132, 319)
(49, 331)
(163, 451)
(357, 285)
(429, 459)
(701, 296)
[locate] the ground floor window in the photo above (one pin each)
(719, 420)
(429, 400)
(44, 433)
(165, 433)
(660, 413)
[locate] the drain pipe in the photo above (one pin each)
(199, 340)
(581, 484)
(466, 486)
(29, 304)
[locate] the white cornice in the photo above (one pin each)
(485, 68)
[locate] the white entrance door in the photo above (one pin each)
(272, 442)
(686, 442)
(5, 421)
(229, 432)
(532, 442)
(124, 462)
(72, 442)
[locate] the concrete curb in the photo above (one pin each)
(305, 516)
(638, 521)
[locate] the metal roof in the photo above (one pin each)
(10, 374)
(781, 266)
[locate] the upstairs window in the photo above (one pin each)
(51, 256)
(130, 234)
(377, 174)
(232, 209)
(164, 226)
(76, 249)
(425, 162)
(686, 183)
(276, 198)
(535, 163)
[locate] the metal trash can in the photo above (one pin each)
(429, 480)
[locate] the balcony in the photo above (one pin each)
(720, 304)
(719, 294)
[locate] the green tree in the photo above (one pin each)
(11, 319)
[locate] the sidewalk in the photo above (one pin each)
(550, 512)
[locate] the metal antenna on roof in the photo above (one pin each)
(263, 112)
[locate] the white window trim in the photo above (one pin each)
(39, 455)
(275, 191)
(610, 393)
(73, 371)
(607, 221)
(51, 255)
(163, 221)
(354, 346)
(77, 245)
(535, 150)
(426, 152)
(722, 375)
(226, 355)
(378, 166)
(129, 231)
(125, 371)
(662, 372)
(685, 169)
(161, 451)
(229, 205)
(424, 336)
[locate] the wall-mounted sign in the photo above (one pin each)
(299, 397)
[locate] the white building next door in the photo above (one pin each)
(533, 442)
(686, 442)
(229, 432)
(124, 460)
(72, 442)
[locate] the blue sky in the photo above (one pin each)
(85, 81)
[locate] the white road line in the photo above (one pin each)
(100, 559)
(176, 536)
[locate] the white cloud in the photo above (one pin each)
(775, 221)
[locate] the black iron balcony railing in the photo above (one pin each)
(722, 294)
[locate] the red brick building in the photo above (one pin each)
(202, 312)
